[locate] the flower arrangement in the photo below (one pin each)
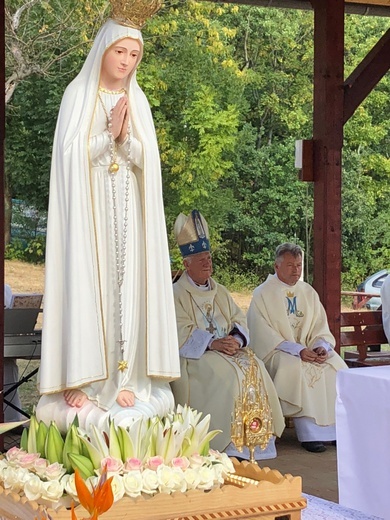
(157, 455)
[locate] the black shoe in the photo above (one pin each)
(313, 446)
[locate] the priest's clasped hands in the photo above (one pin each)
(317, 355)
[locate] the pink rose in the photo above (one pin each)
(113, 465)
(40, 466)
(14, 454)
(133, 464)
(216, 454)
(55, 471)
(180, 462)
(196, 460)
(154, 462)
(28, 459)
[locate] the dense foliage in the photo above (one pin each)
(231, 90)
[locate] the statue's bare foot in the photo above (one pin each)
(125, 398)
(75, 398)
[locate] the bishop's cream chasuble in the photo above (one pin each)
(211, 383)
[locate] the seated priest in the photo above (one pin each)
(290, 333)
(213, 339)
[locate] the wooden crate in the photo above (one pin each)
(275, 497)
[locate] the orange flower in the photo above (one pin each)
(97, 502)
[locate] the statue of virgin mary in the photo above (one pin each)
(109, 319)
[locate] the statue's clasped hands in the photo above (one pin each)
(120, 119)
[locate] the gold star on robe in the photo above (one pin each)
(122, 365)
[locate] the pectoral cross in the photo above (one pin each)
(211, 328)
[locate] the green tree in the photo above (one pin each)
(45, 43)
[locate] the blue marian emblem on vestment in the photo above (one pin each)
(292, 305)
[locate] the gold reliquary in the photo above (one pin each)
(252, 416)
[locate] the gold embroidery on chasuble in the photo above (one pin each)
(312, 371)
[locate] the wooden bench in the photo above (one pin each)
(363, 329)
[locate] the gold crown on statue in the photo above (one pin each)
(134, 13)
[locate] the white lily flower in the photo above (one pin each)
(98, 440)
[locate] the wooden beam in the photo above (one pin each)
(328, 142)
(369, 2)
(366, 75)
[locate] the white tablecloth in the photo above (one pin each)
(319, 509)
(363, 439)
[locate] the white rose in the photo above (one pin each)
(219, 473)
(23, 474)
(33, 488)
(227, 463)
(192, 478)
(14, 478)
(3, 466)
(52, 490)
(171, 479)
(133, 484)
(206, 476)
(118, 488)
(68, 483)
(149, 481)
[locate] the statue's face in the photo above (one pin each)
(289, 269)
(118, 62)
(199, 267)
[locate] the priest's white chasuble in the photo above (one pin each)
(279, 313)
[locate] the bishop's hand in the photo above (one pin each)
(227, 345)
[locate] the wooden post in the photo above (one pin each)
(328, 142)
(2, 136)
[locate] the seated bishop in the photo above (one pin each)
(213, 340)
